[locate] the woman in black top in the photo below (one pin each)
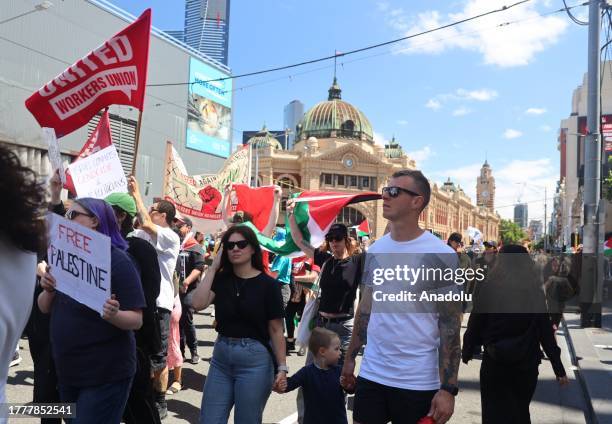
(249, 314)
(340, 278)
(511, 322)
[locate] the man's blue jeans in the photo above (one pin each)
(98, 404)
(241, 375)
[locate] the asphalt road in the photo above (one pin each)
(551, 404)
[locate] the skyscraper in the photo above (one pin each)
(293, 114)
(521, 215)
(206, 28)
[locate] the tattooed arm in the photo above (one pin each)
(358, 338)
(449, 357)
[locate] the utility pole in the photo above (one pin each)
(591, 280)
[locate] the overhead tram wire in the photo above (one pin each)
(329, 57)
(572, 17)
(165, 101)
(351, 52)
(291, 76)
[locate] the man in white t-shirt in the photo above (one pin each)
(155, 227)
(411, 361)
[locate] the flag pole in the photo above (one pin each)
(166, 173)
(138, 126)
(250, 181)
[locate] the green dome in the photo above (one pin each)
(263, 139)
(335, 115)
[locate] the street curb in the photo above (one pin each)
(590, 415)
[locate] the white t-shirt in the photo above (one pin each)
(17, 282)
(402, 348)
(167, 244)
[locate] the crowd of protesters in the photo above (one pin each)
(121, 365)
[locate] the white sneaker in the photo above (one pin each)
(16, 360)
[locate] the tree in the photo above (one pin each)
(510, 232)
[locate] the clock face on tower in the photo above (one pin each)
(348, 161)
(485, 194)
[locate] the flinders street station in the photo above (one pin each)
(334, 150)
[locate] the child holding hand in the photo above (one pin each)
(323, 396)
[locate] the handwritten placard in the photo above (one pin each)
(99, 174)
(79, 259)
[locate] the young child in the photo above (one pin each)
(323, 395)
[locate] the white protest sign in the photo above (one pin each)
(99, 175)
(79, 259)
(55, 157)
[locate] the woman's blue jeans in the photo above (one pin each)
(98, 404)
(241, 376)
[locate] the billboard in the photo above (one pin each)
(209, 113)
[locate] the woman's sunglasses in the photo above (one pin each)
(72, 214)
(334, 238)
(394, 191)
(241, 244)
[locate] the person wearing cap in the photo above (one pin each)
(189, 269)
(141, 403)
(155, 227)
(338, 284)
(487, 260)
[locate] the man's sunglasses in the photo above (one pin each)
(334, 238)
(241, 244)
(394, 191)
(72, 214)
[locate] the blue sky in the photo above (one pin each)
(450, 98)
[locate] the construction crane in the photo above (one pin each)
(521, 191)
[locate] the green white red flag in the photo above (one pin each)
(363, 229)
(315, 212)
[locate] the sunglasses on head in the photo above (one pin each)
(394, 191)
(241, 244)
(72, 214)
(334, 238)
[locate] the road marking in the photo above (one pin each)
(291, 419)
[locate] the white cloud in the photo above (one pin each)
(503, 46)
(482, 95)
(379, 138)
(422, 155)
(401, 122)
(524, 178)
(535, 111)
(462, 111)
(461, 95)
(509, 134)
(433, 104)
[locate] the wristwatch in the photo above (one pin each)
(283, 368)
(453, 390)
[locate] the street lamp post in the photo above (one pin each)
(37, 8)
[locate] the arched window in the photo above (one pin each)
(350, 217)
(286, 183)
(347, 128)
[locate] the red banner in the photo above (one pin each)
(99, 139)
(114, 73)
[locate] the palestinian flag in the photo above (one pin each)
(315, 212)
(608, 247)
(363, 229)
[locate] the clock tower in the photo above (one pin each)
(485, 187)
